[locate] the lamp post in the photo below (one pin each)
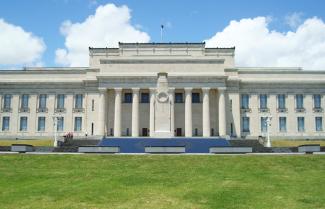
(268, 125)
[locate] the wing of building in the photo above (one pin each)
(162, 90)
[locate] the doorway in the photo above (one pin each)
(178, 131)
(145, 132)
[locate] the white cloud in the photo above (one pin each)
(256, 45)
(19, 47)
(294, 19)
(108, 26)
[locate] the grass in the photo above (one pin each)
(34, 142)
(295, 143)
(161, 181)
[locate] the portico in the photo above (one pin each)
(203, 103)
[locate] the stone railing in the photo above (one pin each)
(76, 110)
(282, 110)
(42, 109)
(24, 109)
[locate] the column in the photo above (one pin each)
(102, 111)
(222, 112)
(206, 112)
(135, 112)
(117, 114)
(172, 111)
(152, 112)
(188, 112)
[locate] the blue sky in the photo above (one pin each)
(191, 21)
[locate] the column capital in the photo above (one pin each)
(206, 89)
(188, 89)
(152, 89)
(118, 90)
(135, 90)
(171, 89)
(221, 89)
(102, 90)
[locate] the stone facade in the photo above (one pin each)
(119, 95)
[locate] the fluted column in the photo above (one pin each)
(135, 112)
(172, 111)
(102, 111)
(188, 112)
(222, 112)
(117, 114)
(206, 112)
(152, 112)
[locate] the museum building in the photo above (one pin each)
(162, 90)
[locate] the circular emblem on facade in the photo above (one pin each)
(162, 97)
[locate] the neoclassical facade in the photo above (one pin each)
(162, 90)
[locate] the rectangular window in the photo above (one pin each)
(319, 123)
(263, 101)
(263, 124)
(144, 97)
(178, 97)
(77, 123)
(282, 124)
(299, 101)
(301, 124)
(23, 124)
(24, 101)
(317, 101)
(245, 101)
(5, 123)
(7, 101)
(41, 124)
(60, 101)
(245, 121)
(78, 101)
(281, 101)
(92, 105)
(128, 98)
(60, 124)
(42, 101)
(195, 97)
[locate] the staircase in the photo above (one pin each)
(255, 144)
(72, 145)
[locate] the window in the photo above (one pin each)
(42, 101)
(128, 98)
(60, 124)
(299, 101)
(319, 123)
(77, 123)
(144, 97)
(41, 124)
(92, 105)
(78, 101)
(5, 123)
(7, 101)
(24, 101)
(281, 101)
(60, 101)
(263, 124)
(245, 121)
(263, 101)
(195, 97)
(245, 101)
(282, 124)
(231, 105)
(178, 97)
(23, 124)
(317, 101)
(301, 124)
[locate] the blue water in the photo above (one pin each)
(137, 145)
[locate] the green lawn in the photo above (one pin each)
(161, 181)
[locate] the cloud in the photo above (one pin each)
(294, 19)
(257, 45)
(19, 47)
(108, 26)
